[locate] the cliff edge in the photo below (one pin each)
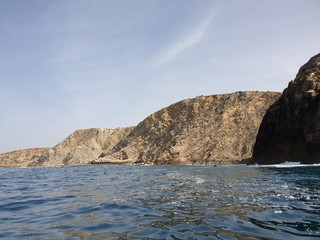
(23, 158)
(79, 148)
(218, 129)
(290, 130)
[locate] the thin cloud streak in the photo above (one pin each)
(172, 52)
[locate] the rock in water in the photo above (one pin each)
(290, 130)
(205, 129)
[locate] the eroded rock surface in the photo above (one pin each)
(79, 148)
(83, 145)
(206, 129)
(23, 158)
(290, 130)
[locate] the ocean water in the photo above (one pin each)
(160, 202)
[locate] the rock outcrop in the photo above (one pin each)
(83, 145)
(205, 129)
(290, 130)
(79, 148)
(23, 158)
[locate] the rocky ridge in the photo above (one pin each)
(23, 158)
(290, 130)
(79, 148)
(83, 145)
(206, 129)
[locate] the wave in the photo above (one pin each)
(289, 165)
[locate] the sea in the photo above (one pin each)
(161, 202)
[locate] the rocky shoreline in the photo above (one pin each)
(215, 129)
(241, 127)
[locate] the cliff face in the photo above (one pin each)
(206, 129)
(290, 130)
(83, 145)
(79, 148)
(23, 158)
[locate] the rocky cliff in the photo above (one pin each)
(79, 148)
(23, 158)
(290, 130)
(83, 145)
(205, 129)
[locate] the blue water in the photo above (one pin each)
(160, 202)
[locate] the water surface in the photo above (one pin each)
(160, 202)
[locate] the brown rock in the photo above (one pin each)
(23, 158)
(83, 145)
(79, 148)
(206, 129)
(290, 130)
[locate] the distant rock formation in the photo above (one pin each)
(290, 130)
(23, 158)
(79, 148)
(83, 145)
(206, 129)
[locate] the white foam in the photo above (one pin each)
(290, 165)
(199, 180)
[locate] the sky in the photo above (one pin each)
(67, 65)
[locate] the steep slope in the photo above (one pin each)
(206, 129)
(23, 158)
(79, 148)
(290, 130)
(83, 145)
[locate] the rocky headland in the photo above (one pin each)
(259, 127)
(79, 148)
(83, 145)
(290, 130)
(23, 158)
(206, 129)
(217, 129)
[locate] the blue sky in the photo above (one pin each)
(73, 64)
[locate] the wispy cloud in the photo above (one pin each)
(172, 52)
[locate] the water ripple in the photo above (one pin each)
(160, 202)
